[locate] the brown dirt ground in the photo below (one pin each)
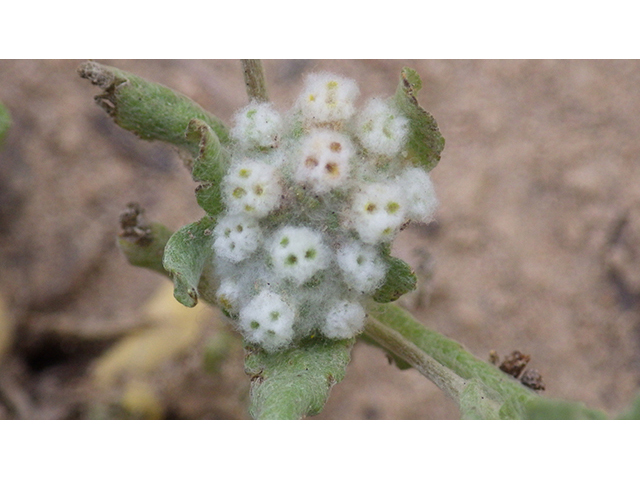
(536, 245)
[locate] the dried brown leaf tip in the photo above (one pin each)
(134, 226)
(514, 364)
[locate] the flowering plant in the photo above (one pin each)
(301, 209)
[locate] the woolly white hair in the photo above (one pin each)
(257, 125)
(344, 320)
(267, 320)
(361, 266)
(229, 295)
(298, 253)
(236, 237)
(381, 129)
(420, 194)
(252, 188)
(324, 160)
(287, 270)
(328, 98)
(378, 210)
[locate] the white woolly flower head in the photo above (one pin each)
(252, 188)
(378, 211)
(236, 237)
(267, 320)
(420, 194)
(381, 129)
(328, 98)
(229, 295)
(257, 125)
(298, 253)
(324, 160)
(361, 266)
(344, 320)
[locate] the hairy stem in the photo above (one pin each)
(254, 80)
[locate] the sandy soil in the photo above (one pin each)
(536, 246)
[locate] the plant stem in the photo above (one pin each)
(254, 80)
(448, 381)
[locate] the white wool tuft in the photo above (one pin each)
(236, 237)
(229, 296)
(361, 266)
(257, 125)
(381, 129)
(252, 188)
(378, 211)
(328, 98)
(267, 320)
(344, 320)
(420, 194)
(324, 161)
(298, 253)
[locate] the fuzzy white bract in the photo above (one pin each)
(328, 98)
(344, 320)
(378, 212)
(267, 320)
(298, 253)
(381, 129)
(236, 237)
(312, 200)
(257, 125)
(252, 188)
(361, 266)
(324, 160)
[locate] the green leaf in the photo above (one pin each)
(5, 122)
(400, 278)
(209, 166)
(146, 250)
(476, 403)
(150, 110)
(295, 383)
(549, 409)
(186, 255)
(425, 143)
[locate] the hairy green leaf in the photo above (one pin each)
(5, 122)
(209, 166)
(186, 256)
(400, 278)
(146, 250)
(425, 143)
(550, 409)
(295, 383)
(150, 110)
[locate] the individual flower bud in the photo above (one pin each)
(381, 129)
(268, 321)
(298, 253)
(228, 296)
(236, 237)
(378, 211)
(252, 188)
(419, 193)
(328, 98)
(361, 265)
(257, 125)
(344, 320)
(324, 160)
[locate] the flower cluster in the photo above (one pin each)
(311, 198)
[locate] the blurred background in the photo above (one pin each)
(536, 245)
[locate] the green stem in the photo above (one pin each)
(254, 80)
(447, 364)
